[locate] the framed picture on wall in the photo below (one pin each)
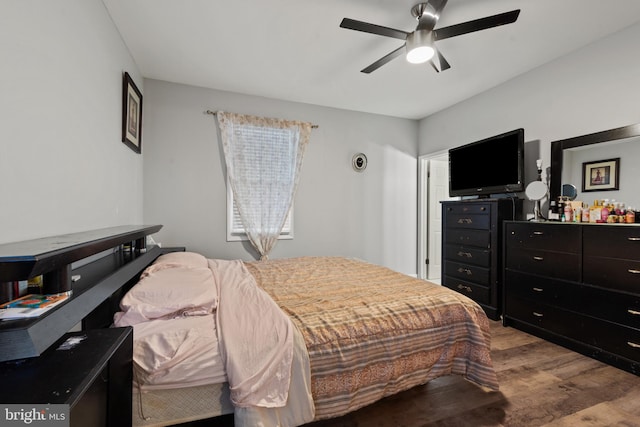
(131, 114)
(601, 175)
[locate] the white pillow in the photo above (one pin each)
(171, 292)
(177, 259)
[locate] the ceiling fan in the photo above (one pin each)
(419, 44)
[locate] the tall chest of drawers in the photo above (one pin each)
(471, 248)
(577, 285)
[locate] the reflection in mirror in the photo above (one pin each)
(569, 191)
(628, 150)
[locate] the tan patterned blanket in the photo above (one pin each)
(372, 332)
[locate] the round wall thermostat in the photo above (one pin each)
(359, 162)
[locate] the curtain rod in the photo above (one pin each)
(214, 113)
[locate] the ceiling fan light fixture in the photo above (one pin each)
(420, 54)
(419, 46)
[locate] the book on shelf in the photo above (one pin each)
(31, 305)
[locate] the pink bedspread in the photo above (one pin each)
(256, 338)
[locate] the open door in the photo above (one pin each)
(433, 188)
(438, 191)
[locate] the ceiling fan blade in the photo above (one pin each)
(365, 27)
(443, 64)
(380, 62)
(476, 25)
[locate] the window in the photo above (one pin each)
(263, 158)
(235, 228)
(269, 152)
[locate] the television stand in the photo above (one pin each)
(472, 248)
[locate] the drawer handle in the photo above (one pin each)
(538, 258)
(632, 271)
(634, 312)
(538, 233)
(540, 290)
(535, 313)
(632, 344)
(466, 288)
(465, 221)
(465, 270)
(465, 254)
(633, 239)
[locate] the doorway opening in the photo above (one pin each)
(433, 187)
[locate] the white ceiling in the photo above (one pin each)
(295, 50)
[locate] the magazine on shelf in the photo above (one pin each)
(32, 305)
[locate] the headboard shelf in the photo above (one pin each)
(52, 256)
(99, 280)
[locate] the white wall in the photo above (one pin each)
(370, 215)
(62, 166)
(594, 89)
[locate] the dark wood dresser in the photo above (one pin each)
(471, 248)
(577, 285)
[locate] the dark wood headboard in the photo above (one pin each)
(94, 296)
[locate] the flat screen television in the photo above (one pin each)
(493, 165)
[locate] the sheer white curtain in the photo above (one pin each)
(263, 158)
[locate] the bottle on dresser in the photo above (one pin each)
(568, 212)
(604, 211)
(585, 212)
(595, 212)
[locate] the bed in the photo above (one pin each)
(289, 341)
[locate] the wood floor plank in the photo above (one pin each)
(601, 415)
(630, 401)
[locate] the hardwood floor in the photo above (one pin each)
(541, 384)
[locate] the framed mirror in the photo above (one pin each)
(568, 156)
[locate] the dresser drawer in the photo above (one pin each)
(480, 238)
(617, 307)
(621, 340)
(620, 274)
(482, 222)
(614, 241)
(468, 255)
(543, 316)
(466, 208)
(610, 337)
(559, 265)
(474, 291)
(535, 288)
(553, 237)
(468, 272)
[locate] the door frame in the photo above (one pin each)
(423, 209)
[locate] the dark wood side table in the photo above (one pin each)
(94, 378)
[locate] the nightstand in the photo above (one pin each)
(93, 377)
